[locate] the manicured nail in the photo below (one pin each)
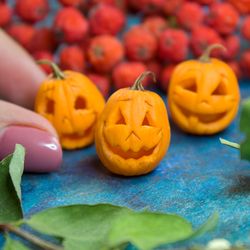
(43, 150)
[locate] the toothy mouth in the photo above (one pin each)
(78, 136)
(204, 118)
(130, 154)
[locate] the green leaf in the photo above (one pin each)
(147, 230)
(245, 117)
(208, 226)
(73, 244)
(104, 226)
(16, 169)
(11, 244)
(87, 224)
(11, 169)
(245, 128)
(245, 148)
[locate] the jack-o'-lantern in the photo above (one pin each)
(203, 94)
(133, 133)
(72, 103)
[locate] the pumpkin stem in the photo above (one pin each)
(57, 73)
(205, 57)
(138, 82)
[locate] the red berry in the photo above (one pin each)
(71, 2)
(223, 18)
(140, 44)
(236, 68)
(153, 7)
(243, 6)
(170, 7)
(155, 67)
(232, 44)
(245, 29)
(125, 74)
(106, 19)
(42, 40)
(121, 4)
(70, 25)
(166, 74)
(105, 52)
(101, 81)
(22, 33)
(205, 2)
(5, 14)
(137, 5)
(201, 38)
(39, 55)
(245, 63)
(85, 43)
(72, 58)
(173, 45)
(190, 15)
(32, 10)
(155, 25)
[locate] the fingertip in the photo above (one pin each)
(43, 150)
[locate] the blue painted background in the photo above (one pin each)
(197, 177)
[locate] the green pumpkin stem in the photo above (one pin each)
(57, 73)
(138, 82)
(205, 57)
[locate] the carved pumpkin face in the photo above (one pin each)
(203, 96)
(133, 133)
(72, 105)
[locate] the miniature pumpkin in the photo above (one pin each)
(133, 133)
(203, 94)
(72, 103)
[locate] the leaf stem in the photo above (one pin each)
(30, 237)
(229, 143)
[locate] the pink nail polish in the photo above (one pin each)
(43, 150)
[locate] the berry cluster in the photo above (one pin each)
(94, 36)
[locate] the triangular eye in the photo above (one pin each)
(121, 119)
(50, 106)
(190, 85)
(145, 121)
(220, 90)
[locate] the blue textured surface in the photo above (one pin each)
(197, 177)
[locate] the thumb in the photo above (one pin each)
(34, 132)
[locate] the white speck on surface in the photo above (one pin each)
(218, 244)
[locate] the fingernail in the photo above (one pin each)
(43, 150)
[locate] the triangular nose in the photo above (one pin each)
(204, 101)
(133, 133)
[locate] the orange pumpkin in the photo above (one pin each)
(72, 103)
(133, 133)
(203, 94)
